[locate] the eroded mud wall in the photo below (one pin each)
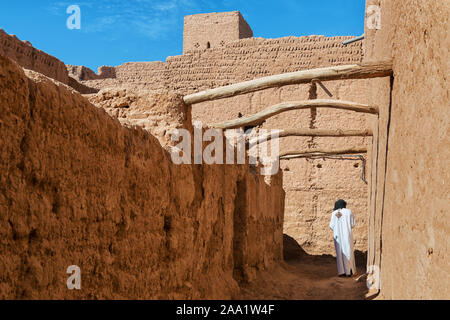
(410, 228)
(78, 188)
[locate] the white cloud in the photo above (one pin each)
(151, 18)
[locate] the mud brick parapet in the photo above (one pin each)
(239, 60)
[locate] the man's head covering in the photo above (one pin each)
(340, 204)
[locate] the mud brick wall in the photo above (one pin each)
(81, 72)
(237, 61)
(409, 227)
(78, 188)
(30, 58)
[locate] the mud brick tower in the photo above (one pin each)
(213, 30)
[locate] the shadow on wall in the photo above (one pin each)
(293, 251)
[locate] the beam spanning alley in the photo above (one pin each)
(259, 117)
(320, 152)
(310, 133)
(354, 71)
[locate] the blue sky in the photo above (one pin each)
(117, 31)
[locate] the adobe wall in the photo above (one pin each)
(80, 73)
(30, 58)
(410, 217)
(312, 186)
(78, 188)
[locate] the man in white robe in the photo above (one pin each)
(342, 222)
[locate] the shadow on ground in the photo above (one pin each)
(302, 276)
(293, 251)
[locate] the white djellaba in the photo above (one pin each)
(342, 222)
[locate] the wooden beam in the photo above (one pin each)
(325, 133)
(259, 117)
(311, 133)
(319, 152)
(354, 71)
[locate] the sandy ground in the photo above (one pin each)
(307, 277)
